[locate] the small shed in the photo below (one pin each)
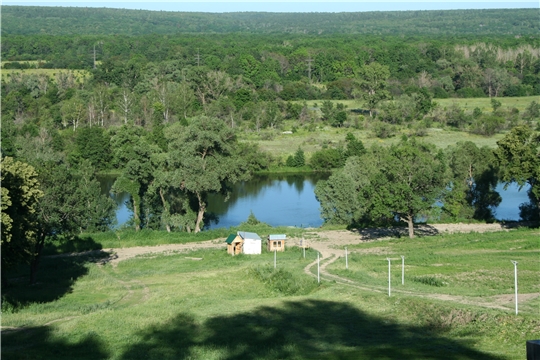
(234, 244)
(252, 243)
(276, 242)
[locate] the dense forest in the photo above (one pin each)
(27, 20)
(168, 103)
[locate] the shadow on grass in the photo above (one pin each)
(311, 329)
(397, 231)
(40, 343)
(56, 277)
(72, 245)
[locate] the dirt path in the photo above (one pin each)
(330, 244)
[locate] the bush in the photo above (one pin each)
(283, 281)
(429, 280)
(327, 159)
(383, 130)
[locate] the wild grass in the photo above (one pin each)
(80, 75)
(475, 264)
(209, 305)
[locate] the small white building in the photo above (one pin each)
(252, 243)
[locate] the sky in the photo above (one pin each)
(286, 6)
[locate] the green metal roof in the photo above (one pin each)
(230, 239)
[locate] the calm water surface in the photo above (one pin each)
(288, 200)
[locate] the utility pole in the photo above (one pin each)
(198, 58)
(309, 61)
(99, 43)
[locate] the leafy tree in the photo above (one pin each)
(298, 160)
(136, 156)
(327, 159)
(518, 155)
(71, 202)
(354, 147)
(474, 178)
(371, 84)
(412, 177)
(202, 158)
(403, 181)
(341, 196)
(20, 197)
(92, 144)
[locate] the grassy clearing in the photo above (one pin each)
(475, 264)
(282, 145)
(484, 104)
(80, 75)
(208, 305)
(467, 104)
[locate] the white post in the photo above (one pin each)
(346, 259)
(275, 257)
(515, 283)
(402, 270)
(318, 270)
(389, 282)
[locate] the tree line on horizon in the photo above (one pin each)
(103, 21)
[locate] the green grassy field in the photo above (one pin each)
(80, 75)
(467, 104)
(282, 145)
(208, 305)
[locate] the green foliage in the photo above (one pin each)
(474, 178)
(372, 82)
(128, 22)
(518, 157)
(298, 160)
(20, 197)
(202, 158)
(252, 220)
(92, 144)
(327, 159)
(428, 280)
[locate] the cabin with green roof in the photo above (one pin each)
(234, 244)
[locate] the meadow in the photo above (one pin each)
(79, 75)
(206, 304)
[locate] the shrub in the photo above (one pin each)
(429, 280)
(383, 130)
(283, 281)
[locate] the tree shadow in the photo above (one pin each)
(40, 343)
(56, 277)
(396, 231)
(310, 329)
(75, 244)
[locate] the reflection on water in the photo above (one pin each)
(287, 200)
(123, 214)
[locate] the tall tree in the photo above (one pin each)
(20, 196)
(518, 154)
(203, 158)
(71, 202)
(474, 178)
(136, 156)
(371, 84)
(412, 178)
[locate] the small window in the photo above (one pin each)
(279, 243)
